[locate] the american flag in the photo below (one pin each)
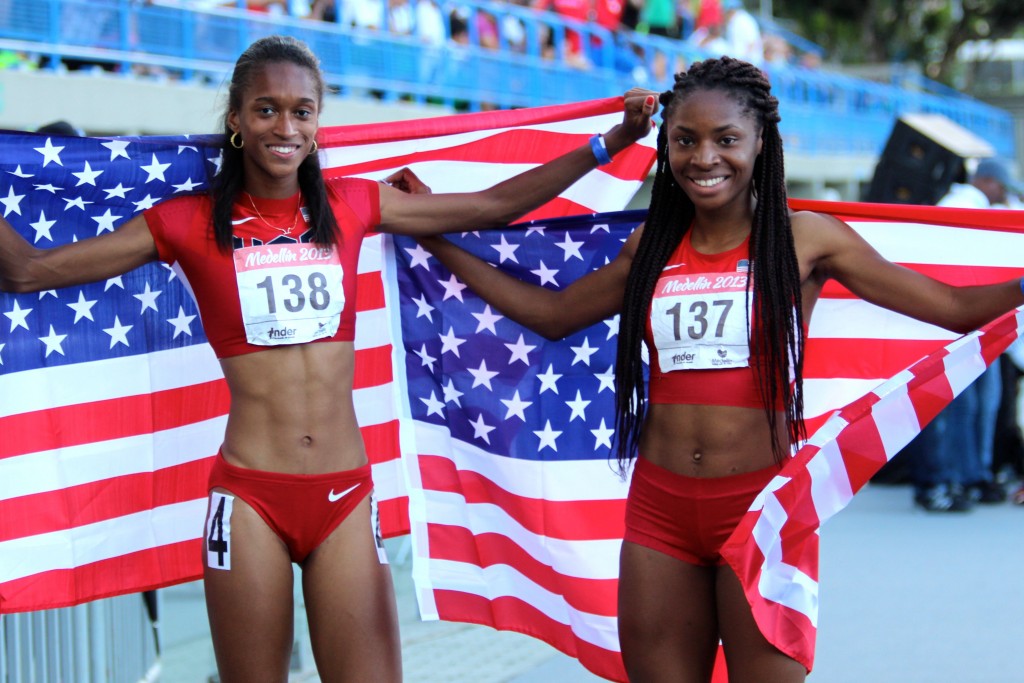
(104, 445)
(111, 401)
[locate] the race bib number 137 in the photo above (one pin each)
(289, 293)
(699, 321)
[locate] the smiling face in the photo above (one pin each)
(277, 120)
(713, 143)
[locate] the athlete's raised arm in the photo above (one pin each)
(430, 214)
(24, 268)
(554, 314)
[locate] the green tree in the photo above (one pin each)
(926, 32)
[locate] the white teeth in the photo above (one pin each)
(710, 182)
(282, 149)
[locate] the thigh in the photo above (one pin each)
(668, 628)
(749, 656)
(250, 605)
(350, 604)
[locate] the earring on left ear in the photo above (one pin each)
(313, 149)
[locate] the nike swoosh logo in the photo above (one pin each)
(677, 265)
(243, 220)
(335, 497)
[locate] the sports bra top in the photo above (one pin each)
(697, 330)
(273, 288)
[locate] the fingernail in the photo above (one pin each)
(649, 100)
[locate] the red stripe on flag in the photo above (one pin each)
(831, 357)
(394, 517)
(63, 426)
(372, 367)
(458, 544)
(381, 441)
(950, 274)
(369, 291)
(97, 501)
(395, 131)
(153, 568)
(512, 614)
(578, 520)
(981, 219)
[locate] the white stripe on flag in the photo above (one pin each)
(501, 580)
(53, 470)
(67, 385)
(104, 540)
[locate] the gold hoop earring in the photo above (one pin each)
(312, 150)
(234, 138)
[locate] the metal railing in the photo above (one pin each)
(107, 641)
(824, 112)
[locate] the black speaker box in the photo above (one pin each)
(914, 168)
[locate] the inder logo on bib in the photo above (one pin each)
(289, 293)
(699, 321)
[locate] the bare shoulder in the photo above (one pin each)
(630, 246)
(818, 233)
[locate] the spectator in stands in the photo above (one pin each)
(710, 38)
(631, 14)
(275, 8)
(577, 10)
(324, 10)
(369, 15)
(292, 430)
(401, 19)
(777, 51)
(430, 24)
(742, 33)
(660, 17)
(709, 13)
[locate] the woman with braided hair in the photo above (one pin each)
(719, 284)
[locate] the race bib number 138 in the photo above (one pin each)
(289, 293)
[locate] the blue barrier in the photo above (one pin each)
(824, 112)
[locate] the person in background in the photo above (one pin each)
(719, 284)
(742, 33)
(951, 460)
(271, 256)
(660, 17)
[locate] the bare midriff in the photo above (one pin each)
(292, 410)
(708, 441)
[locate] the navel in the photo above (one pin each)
(697, 455)
(306, 441)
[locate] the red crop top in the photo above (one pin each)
(272, 289)
(697, 330)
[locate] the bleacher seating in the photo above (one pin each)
(824, 111)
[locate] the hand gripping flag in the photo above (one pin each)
(111, 402)
(517, 515)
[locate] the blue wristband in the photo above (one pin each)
(600, 151)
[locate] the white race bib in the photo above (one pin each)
(699, 321)
(289, 293)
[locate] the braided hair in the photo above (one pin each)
(229, 183)
(777, 339)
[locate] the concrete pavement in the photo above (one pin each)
(906, 597)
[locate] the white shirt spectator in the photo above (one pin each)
(965, 196)
(742, 33)
(430, 23)
(368, 14)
